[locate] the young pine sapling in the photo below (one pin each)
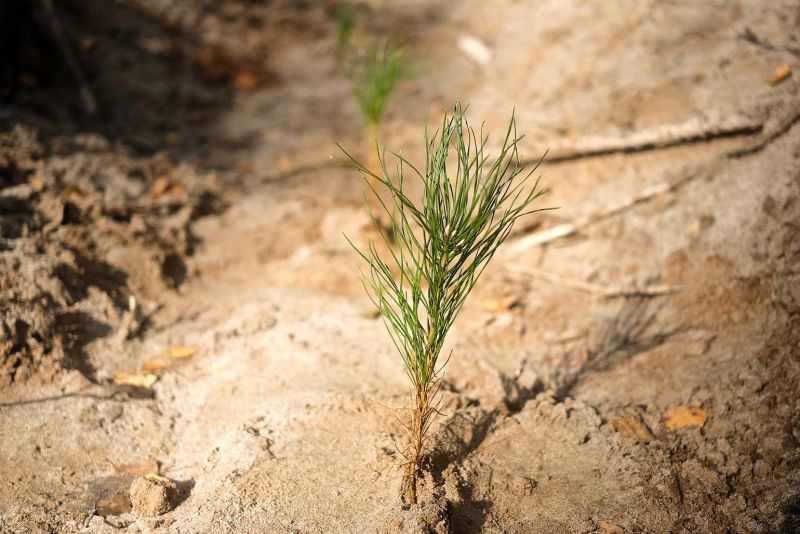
(440, 247)
(374, 68)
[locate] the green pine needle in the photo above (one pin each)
(442, 244)
(375, 71)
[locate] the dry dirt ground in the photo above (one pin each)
(202, 211)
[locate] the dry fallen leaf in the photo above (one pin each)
(131, 379)
(781, 73)
(246, 81)
(178, 352)
(255, 39)
(683, 416)
(284, 164)
(165, 186)
(693, 227)
(36, 184)
(610, 528)
(71, 191)
(154, 366)
(499, 304)
(633, 426)
(160, 187)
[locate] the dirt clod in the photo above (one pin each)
(153, 495)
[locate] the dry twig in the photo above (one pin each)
(565, 230)
(595, 289)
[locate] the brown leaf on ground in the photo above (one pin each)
(610, 528)
(633, 425)
(255, 39)
(154, 366)
(246, 81)
(781, 73)
(36, 184)
(163, 187)
(71, 191)
(131, 379)
(683, 416)
(284, 164)
(137, 469)
(499, 304)
(179, 352)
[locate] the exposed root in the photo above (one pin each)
(692, 130)
(771, 131)
(422, 416)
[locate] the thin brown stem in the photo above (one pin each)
(420, 420)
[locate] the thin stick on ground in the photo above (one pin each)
(595, 289)
(567, 229)
(440, 247)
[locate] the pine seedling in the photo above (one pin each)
(441, 245)
(374, 72)
(375, 75)
(374, 68)
(345, 24)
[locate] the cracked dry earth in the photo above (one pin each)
(556, 396)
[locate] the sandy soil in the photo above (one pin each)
(204, 195)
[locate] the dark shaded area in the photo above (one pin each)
(77, 329)
(461, 436)
(141, 71)
(100, 274)
(632, 331)
(22, 42)
(791, 515)
(185, 488)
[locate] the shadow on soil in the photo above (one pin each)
(77, 329)
(633, 330)
(152, 85)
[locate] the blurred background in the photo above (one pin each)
(176, 295)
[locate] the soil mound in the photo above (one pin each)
(89, 234)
